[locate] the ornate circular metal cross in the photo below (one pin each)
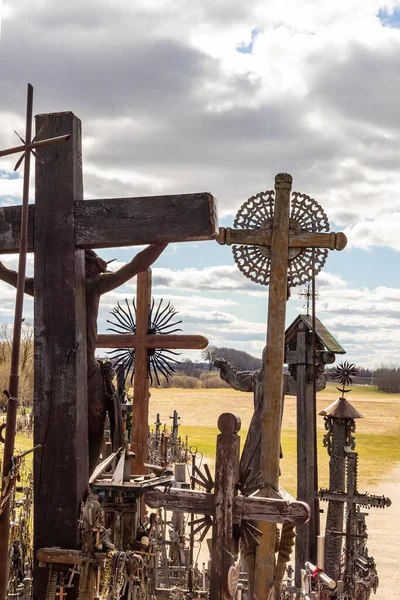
(258, 213)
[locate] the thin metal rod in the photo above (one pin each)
(33, 145)
(315, 526)
(14, 376)
(191, 535)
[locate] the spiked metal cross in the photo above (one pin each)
(29, 146)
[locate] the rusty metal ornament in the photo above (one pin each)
(258, 213)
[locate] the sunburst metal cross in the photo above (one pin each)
(146, 340)
(161, 322)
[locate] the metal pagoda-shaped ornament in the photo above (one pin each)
(355, 568)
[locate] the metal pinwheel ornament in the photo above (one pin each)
(344, 373)
(161, 321)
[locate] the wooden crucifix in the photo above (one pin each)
(143, 341)
(282, 241)
(61, 226)
(230, 511)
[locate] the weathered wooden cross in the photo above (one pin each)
(60, 226)
(142, 341)
(227, 509)
(273, 248)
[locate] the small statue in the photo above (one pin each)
(100, 389)
(250, 381)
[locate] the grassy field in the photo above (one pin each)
(378, 433)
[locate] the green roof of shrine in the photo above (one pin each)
(322, 333)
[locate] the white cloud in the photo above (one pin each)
(169, 105)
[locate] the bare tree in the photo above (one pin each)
(209, 354)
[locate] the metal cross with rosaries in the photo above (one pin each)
(281, 240)
(230, 512)
(143, 341)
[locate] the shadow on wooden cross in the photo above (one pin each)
(228, 509)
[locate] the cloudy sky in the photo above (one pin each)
(220, 96)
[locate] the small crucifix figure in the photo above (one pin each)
(307, 296)
(61, 594)
(144, 341)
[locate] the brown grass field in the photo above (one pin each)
(377, 436)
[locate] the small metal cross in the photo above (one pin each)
(306, 294)
(30, 145)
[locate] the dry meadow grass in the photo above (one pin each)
(378, 433)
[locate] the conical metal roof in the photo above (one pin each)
(341, 409)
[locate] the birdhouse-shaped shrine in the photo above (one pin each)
(307, 351)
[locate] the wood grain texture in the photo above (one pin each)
(63, 556)
(146, 220)
(254, 508)
(297, 239)
(272, 410)
(10, 228)
(60, 396)
(141, 381)
(195, 342)
(125, 221)
(224, 541)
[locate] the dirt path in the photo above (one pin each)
(384, 536)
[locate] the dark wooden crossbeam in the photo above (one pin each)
(125, 221)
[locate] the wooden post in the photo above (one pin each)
(272, 409)
(306, 459)
(141, 381)
(60, 406)
(224, 543)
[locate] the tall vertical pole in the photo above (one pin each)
(273, 385)
(60, 405)
(14, 374)
(314, 525)
(141, 381)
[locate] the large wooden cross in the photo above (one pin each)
(276, 242)
(227, 509)
(61, 225)
(142, 342)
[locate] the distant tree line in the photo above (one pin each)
(242, 361)
(387, 379)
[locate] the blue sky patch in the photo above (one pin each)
(248, 48)
(389, 19)
(8, 175)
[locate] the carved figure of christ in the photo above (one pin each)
(98, 282)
